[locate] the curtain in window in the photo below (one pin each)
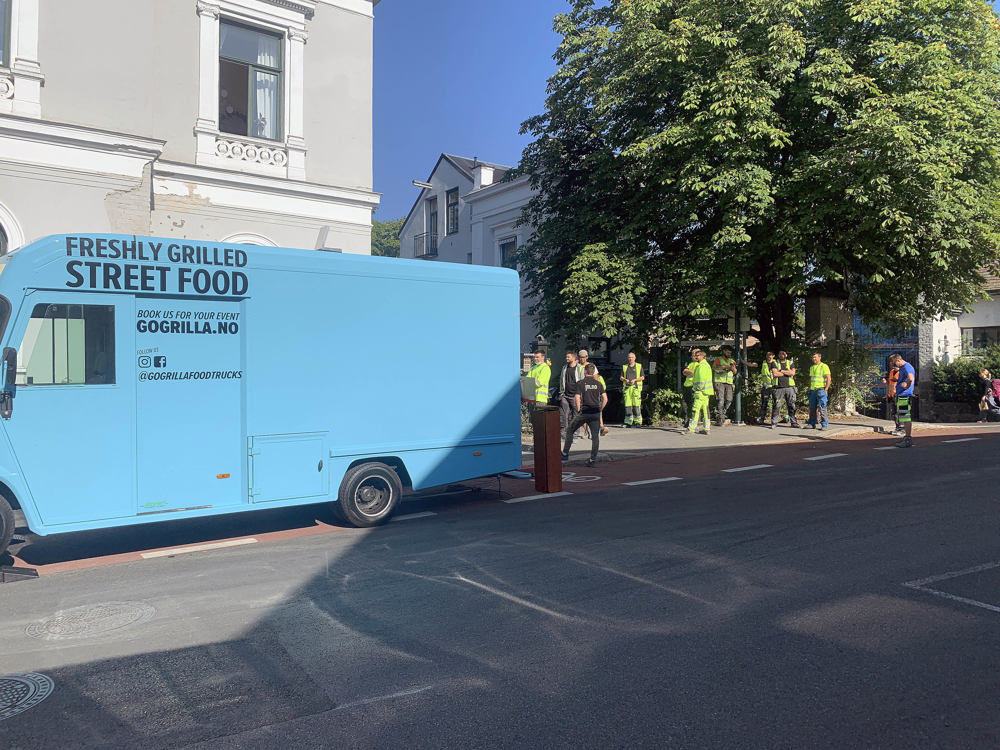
(266, 87)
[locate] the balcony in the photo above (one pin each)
(425, 245)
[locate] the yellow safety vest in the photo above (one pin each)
(726, 376)
(817, 375)
(541, 373)
(638, 374)
(689, 379)
(702, 379)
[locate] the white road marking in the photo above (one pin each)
(921, 585)
(536, 497)
(828, 455)
(886, 448)
(400, 694)
(749, 468)
(960, 440)
(197, 548)
(651, 481)
(414, 515)
(515, 599)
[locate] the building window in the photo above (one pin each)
(979, 338)
(5, 33)
(508, 249)
(249, 82)
(451, 201)
(68, 345)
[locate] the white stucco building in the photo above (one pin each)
(224, 120)
(469, 214)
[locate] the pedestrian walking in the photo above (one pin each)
(632, 378)
(890, 380)
(985, 391)
(723, 377)
(819, 388)
(783, 372)
(541, 373)
(571, 373)
(701, 387)
(904, 394)
(590, 399)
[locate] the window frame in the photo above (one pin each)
(252, 68)
(506, 262)
(5, 31)
(25, 357)
(451, 211)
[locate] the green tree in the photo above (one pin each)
(385, 237)
(698, 155)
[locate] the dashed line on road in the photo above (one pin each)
(410, 516)
(749, 468)
(651, 481)
(367, 701)
(196, 548)
(960, 440)
(828, 455)
(886, 448)
(536, 497)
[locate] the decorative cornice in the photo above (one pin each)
(212, 10)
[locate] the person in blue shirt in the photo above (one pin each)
(904, 392)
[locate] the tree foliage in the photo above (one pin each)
(698, 155)
(385, 237)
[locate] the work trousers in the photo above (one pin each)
(784, 396)
(723, 400)
(902, 410)
(767, 403)
(633, 404)
(817, 407)
(567, 410)
(593, 421)
(699, 410)
(687, 394)
(892, 412)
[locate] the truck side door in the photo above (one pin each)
(72, 425)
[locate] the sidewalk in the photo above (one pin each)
(623, 443)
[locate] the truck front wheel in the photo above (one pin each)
(369, 494)
(6, 525)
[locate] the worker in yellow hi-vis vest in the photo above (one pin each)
(701, 387)
(632, 378)
(540, 372)
(724, 376)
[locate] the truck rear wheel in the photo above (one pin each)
(6, 525)
(369, 494)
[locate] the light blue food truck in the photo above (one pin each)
(147, 379)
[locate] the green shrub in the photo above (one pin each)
(959, 380)
(663, 405)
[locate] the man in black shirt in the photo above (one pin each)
(589, 399)
(571, 373)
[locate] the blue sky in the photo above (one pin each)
(455, 76)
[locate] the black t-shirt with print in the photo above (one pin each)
(590, 391)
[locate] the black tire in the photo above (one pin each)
(6, 525)
(369, 493)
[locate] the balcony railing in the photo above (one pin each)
(425, 245)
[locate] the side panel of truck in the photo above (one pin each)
(141, 404)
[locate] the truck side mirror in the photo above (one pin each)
(9, 387)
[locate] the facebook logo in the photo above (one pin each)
(160, 361)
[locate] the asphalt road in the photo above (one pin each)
(852, 601)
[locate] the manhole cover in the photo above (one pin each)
(91, 620)
(19, 692)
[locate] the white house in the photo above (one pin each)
(467, 212)
(225, 120)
